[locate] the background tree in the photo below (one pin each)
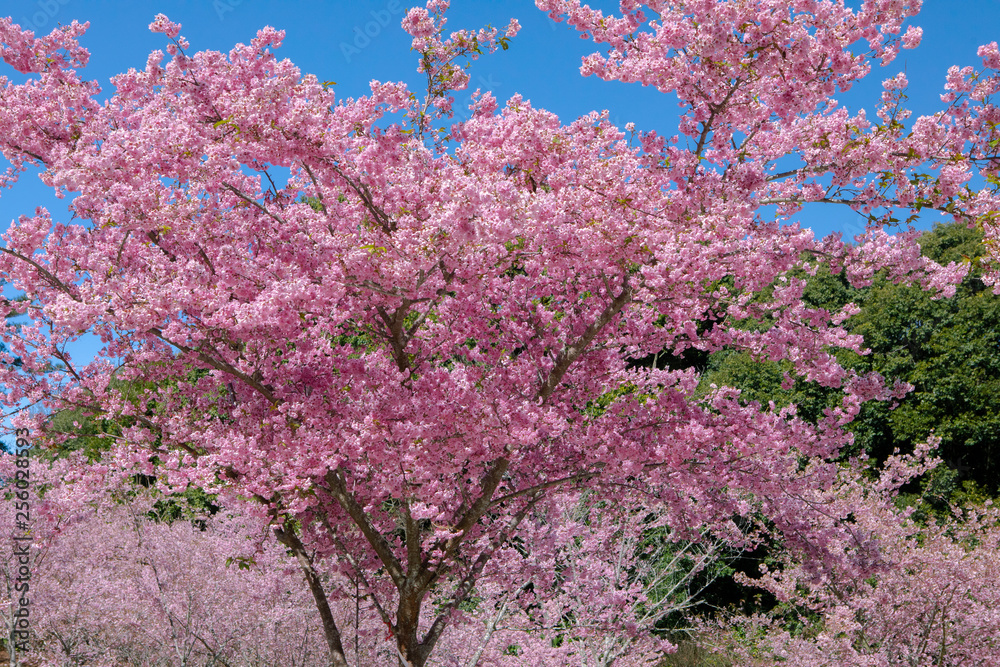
(111, 585)
(948, 350)
(927, 598)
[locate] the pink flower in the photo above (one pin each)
(418, 23)
(911, 39)
(162, 24)
(990, 55)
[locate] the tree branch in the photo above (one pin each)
(294, 544)
(579, 477)
(49, 278)
(222, 366)
(571, 353)
(380, 216)
(319, 192)
(338, 489)
(253, 202)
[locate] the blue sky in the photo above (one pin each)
(354, 42)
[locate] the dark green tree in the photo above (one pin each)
(948, 349)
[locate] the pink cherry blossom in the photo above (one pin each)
(403, 345)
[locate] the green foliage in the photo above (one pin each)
(87, 432)
(92, 434)
(241, 562)
(315, 203)
(191, 505)
(948, 349)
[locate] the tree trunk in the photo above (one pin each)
(412, 653)
(292, 541)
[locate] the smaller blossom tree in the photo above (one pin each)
(594, 595)
(108, 584)
(927, 597)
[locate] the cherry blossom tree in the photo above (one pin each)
(109, 584)
(407, 341)
(929, 598)
(594, 595)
